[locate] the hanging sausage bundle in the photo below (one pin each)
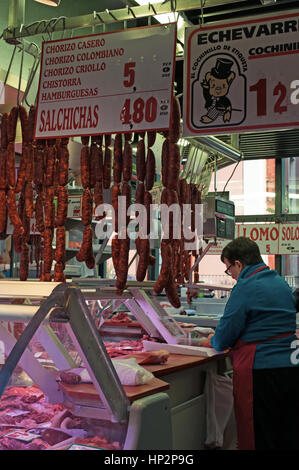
(24, 185)
(86, 251)
(62, 205)
(146, 171)
(122, 242)
(170, 195)
(48, 155)
(3, 185)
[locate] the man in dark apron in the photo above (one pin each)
(259, 325)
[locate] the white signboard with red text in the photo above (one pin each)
(107, 83)
(242, 76)
(272, 239)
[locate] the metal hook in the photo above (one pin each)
(48, 26)
(20, 76)
(201, 12)
(39, 23)
(173, 5)
(151, 6)
(34, 69)
(131, 11)
(100, 18)
(111, 14)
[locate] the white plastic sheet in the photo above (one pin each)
(219, 407)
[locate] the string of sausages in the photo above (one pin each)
(88, 182)
(38, 148)
(3, 180)
(171, 248)
(22, 211)
(146, 171)
(122, 175)
(46, 157)
(59, 170)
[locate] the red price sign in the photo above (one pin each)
(275, 99)
(107, 83)
(242, 76)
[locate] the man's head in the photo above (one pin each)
(239, 253)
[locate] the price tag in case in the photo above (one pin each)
(22, 436)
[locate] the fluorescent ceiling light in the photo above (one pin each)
(165, 18)
(52, 3)
(170, 17)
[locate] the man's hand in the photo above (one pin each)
(207, 342)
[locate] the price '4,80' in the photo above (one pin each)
(138, 111)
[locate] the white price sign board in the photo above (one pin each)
(217, 249)
(274, 239)
(107, 83)
(242, 75)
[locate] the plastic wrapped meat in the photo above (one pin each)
(28, 422)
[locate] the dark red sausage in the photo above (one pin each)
(143, 252)
(2, 210)
(107, 168)
(85, 167)
(151, 138)
(12, 124)
(127, 162)
(63, 155)
(86, 207)
(117, 159)
(116, 192)
(150, 170)
(140, 160)
(174, 160)
(62, 205)
(4, 127)
(174, 130)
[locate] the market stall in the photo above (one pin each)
(101, 134)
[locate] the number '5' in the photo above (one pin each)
(129, 72)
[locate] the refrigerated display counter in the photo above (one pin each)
(60, 334)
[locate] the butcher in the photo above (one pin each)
(258, 325)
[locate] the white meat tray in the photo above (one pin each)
(180, 349)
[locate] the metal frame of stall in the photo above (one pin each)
(66, 303)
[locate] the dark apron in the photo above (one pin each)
(242, 355)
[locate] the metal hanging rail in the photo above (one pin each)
(63, 23)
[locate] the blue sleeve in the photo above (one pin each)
(233, 321)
